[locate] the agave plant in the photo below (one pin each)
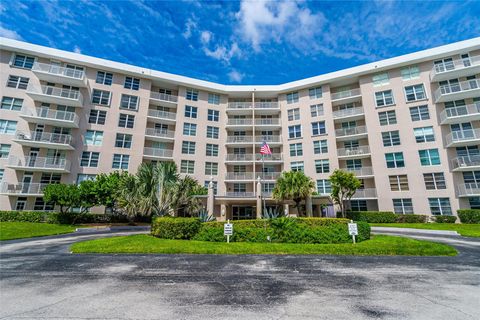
(272, 213)
(204, 216)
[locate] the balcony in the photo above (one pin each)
(363, 172)
(162, 115)
(157, 154)
(271, 140)
(267, 123)
(267, 107)
(457, 91)
(238, 195)
(354, 153)
(44, 140)
(346, 96)
(57, 74)
(351, 133)
(164, 98)
(49, 117)
(240, 123)
(23, 189)
(462, 138)
(455, 69)
(466, 163)
(270, 158)
(239, 158)
(239, 176)
(55, 95)
(370, 193)
(159, 135)
(468, 190)
(239, 107)
(355, 113)
(240, 140)
(39, 164)
(268, 176)
(461, 114)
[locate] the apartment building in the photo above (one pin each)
(408, 127)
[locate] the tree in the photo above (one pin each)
(184, 200)
(128, 195)
(66, 196)
(106, 188)
(293, 185)
(344, 185)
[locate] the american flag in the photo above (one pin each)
(265, 148)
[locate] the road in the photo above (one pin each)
(40, 279)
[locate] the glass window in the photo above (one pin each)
(424, 134)
(410, 73)
(21, 204)
(89, 159)
(387, 117)
(8, 127)
(213, 98)
(320, 147)
(429, 157)
(191, 112)
(123, 141)
(129, 102)
(22, 61)
(296, 166)
(188, 147)
(296, 150)
(414, 93)
(384, 98)
(434, 181)
(394, 160)
(398, 182)
(14, 104)
(4, 150)
(293, 114)
(40, 205)
(403, 206)
(213, 115)
(391, 138)
(324, 186)
(315, 93)
(211, 168)
(318, 128)
(316, 110)
(189, 129)
(187, 166)
(212, 150)
(295, 131)
(292, 97)
(419, 113)
(380, 79)
(17, 82)
(440, 206)
(126, 120)
(101, 97)
(97, 116)
(105, 78)
(322, 166)
(474, 202)
(358, 205)
(191, 94)
(212, 132)
(93, 138)
(120, 161)
(132, 83)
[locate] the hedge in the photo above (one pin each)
(372, 216)
(445, 219)
(284, 230)
(469, 215)
(57, 217)
(411, 218)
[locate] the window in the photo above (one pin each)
(132, 83)
(21, 204)
(101, 97)
(471, 178)
(129, 102)
(191, 112)
(380, 79)
(8, 126)
(84, 177)
(213, 115)
(320, 147)
(97, 116)
(48, 178)
(187, 166)
(398, 183)
(120, 161)
(40, 205)
(391, 138)
(296, 166)
(324, 186)
(189, 129)
(384, 98)
(188, 147)
(429, 157)
(293, 114)
(424, 134)
(322, 166)
(414, 93)
(358, 205)
(296, 150)
(394, 160)
(410, 73)
(191, 94)
(4, 151)
(213, 98)
(123, 141)
(14, 104)
(419, 113)
(22, 61)
(316, 110)
(17, 82)
(440, 206)
(89, 159)
(2, 171)
(295, 131)
(387, 117)
(434, 181)
(126, 120)
(474, 202)
(104, 78)
(93, 138)
(212, 132)
(402, 206)
(292, 97)
(315, 93)
(211, 168)
(212, 150)
(318, 128)
(215, 186)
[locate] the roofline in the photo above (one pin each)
(345, 74)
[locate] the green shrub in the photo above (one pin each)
(469, 215)
(372, 216)
(411, 218)
(175, 228)
(59, 218)
(445, 219)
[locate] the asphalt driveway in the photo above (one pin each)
(40, 279)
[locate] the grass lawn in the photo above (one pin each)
(17, 230)
(378, 245)
(467, 230)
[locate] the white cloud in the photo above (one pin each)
(235, 76)
(76, 49)
(205, 37)
(7, 33)
(190, 25)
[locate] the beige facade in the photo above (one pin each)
(408, 127)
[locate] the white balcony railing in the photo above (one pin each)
(462, 136)
(47, 137)
(161, 114)
(363, 171)
(457, 87)
(268, 139)
(163, 97)
(466, 161)
(239, 176)
(268, 175)
(267, 122)
(455, 65)
(356, 151)
(240, 122)
(270, 157)
(46, 113)
(266, 105)
(56, 92)
(23, 188)
(240, 105)
(239, 139)
(348, 112)
(342, 132)
(346, 94)
(157, 152)
(239, 157)
(460, 111)
(39, 163)
(161, 133)
(58, 70)
(365, 193)
(468, 189)
(240, 194)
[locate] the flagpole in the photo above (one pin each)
(263, 183)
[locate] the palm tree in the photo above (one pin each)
(128, 195)
(184, 192)
(293, 185)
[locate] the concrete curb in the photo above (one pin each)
(102, 229)
(414, 231)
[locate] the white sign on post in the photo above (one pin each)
(228, 230)
(353, 230)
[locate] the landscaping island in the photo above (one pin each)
(18, 230)
(466, 230)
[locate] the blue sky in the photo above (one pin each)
(246, 42)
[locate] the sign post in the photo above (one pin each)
(228, 230)
(353, 230)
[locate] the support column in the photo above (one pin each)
(223, 212)
(286, 209)
(308, 206)
(259, 198)
(211, 198)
